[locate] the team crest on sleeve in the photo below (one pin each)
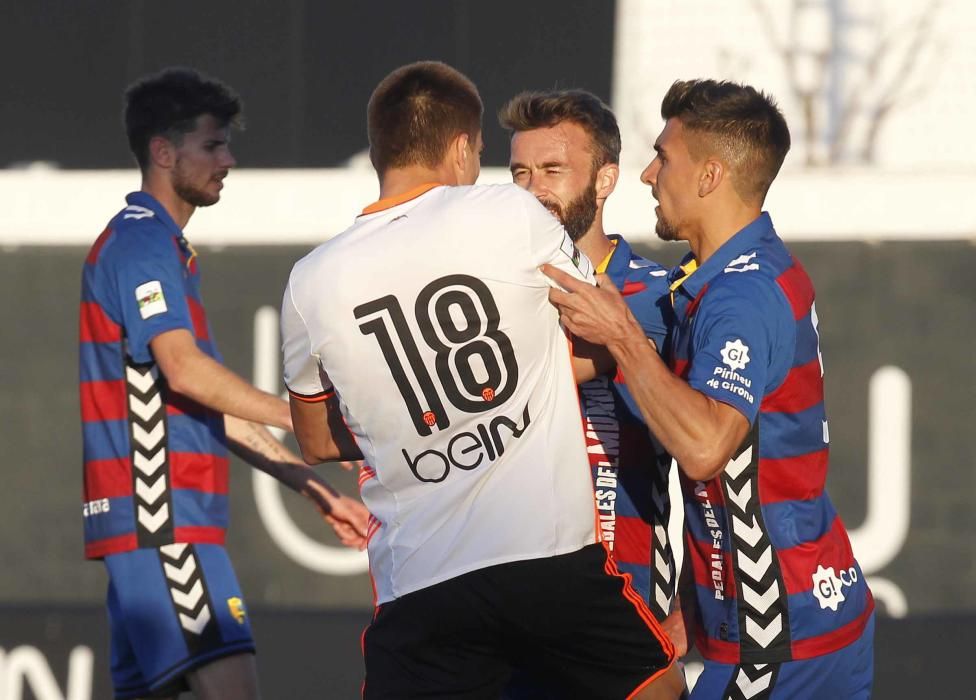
(735, 354)
(151, 299)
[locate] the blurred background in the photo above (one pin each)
(875, 199)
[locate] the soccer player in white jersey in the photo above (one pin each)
(426, 324)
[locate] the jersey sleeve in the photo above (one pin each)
(550, 244)
(149, 283)
(738, 349)
(304, 376)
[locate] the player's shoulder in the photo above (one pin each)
(136, 232)
(758, 271)
(325, 259)
(747, 287)
(490, 200)
(640, 271)
(511, 215)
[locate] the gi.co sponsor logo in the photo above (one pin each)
(828, 587)
(735, 354)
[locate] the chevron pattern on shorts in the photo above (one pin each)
(763, 619)
(752, 682)
(186, 587)
(147, 420)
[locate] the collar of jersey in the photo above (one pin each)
(748, 238)
(391, 202)
(144, 199)
(601, 269)
(618, 264)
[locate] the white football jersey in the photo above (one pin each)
(430, 320)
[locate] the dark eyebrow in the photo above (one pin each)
(659, 149)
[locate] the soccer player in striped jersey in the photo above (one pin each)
(159, 412)
(565, 150)
(778, 604)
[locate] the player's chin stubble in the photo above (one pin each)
(665, 229)
(194, 196)
(191, 195)
(578, 216)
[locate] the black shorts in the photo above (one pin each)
(570, 621)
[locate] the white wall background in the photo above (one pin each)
(917, 186)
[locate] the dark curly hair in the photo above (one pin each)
(168, 104)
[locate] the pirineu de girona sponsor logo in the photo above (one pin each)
(468, 450)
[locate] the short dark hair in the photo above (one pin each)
(168, 104)
(540, 110)
(416, 111)
(738, 123)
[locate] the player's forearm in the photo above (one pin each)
(683, 419)
(258, 447)
(209, 383)
(590, 361)
(321, 433)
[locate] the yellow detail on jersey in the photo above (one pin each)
(601, 269)
(192, 251)
(236, 607)
(687, 269)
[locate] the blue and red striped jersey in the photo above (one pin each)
(630, 469)
(155, 462)
(775, 577)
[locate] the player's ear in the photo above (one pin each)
(606, 180)
(461, 150)
(162, 152)
(712, 175)
(458, 155)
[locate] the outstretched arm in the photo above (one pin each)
(698, 431)
(258, 447)
(191, 372)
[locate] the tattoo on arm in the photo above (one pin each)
(261, 450)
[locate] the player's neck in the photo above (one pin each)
(718, 228)
(398, 181)
(178, 208)
(594, 244)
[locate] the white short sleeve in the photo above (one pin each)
(304, 376)
(551, 244)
